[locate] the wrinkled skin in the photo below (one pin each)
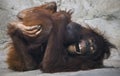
(53, 43)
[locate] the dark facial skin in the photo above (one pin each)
(85, 41)
(87, 52)
(58, 44)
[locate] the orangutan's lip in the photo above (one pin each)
(83, 47)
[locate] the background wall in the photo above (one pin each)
(101, 14)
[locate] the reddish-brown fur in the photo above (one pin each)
(49, 51)
(25, 53)
(57, 57)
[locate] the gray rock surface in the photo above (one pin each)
(101, 14)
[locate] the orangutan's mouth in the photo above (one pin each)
(83, 47)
